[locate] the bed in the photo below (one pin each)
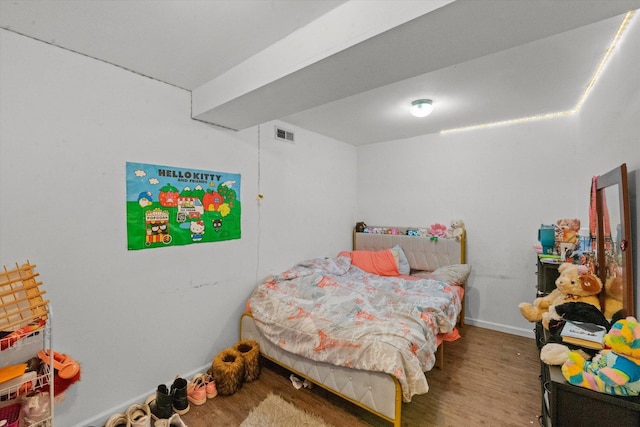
(374, 369)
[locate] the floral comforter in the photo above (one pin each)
(327, 310)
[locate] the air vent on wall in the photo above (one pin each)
(283, 134)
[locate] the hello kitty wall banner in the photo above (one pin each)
(170, 206)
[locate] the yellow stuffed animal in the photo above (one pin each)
(567, 230)
(613, 296)
(574, 284)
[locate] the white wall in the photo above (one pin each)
(135, 319)
(309, 197)
(504, 182)
(609, 132)
(610, 127)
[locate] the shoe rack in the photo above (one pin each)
(25, 323)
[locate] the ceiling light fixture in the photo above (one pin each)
(592, 83)
(421, 107)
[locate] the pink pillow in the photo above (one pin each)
(382, 263)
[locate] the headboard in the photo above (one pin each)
(423, 253)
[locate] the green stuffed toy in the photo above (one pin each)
(614, 370)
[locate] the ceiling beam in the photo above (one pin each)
(228, 100)
(356, 48)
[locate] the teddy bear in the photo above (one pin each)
(613, 288)
(456, 230)
(574, 284)
(614, 370)
(567, 230)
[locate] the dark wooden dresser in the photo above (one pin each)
(567, 405)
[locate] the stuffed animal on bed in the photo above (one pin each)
(615, 370)
(456, 230)
(573, 285)
(437, 230)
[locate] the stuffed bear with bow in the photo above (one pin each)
(575, 284)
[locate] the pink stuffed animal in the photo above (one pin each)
(438, 230)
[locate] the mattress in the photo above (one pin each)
(327, 309)
(376, 392)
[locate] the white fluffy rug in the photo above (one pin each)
(274, 411)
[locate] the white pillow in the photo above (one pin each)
(401, 260)
(455, 274)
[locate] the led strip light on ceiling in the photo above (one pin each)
(590, 86)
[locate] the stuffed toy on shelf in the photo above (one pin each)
(567, 230)
(575, 284)
(614, 370)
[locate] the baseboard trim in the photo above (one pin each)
(528, 333)
(102, 418)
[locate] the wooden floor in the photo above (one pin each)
(490, 379)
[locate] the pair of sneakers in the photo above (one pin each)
(140, 416)
(136, 416)
(200, 388)
(173, 421)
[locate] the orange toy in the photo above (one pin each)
(67, 367)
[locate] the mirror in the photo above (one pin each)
(614, 264)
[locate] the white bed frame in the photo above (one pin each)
(376, 392)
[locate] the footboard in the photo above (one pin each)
(376, 392)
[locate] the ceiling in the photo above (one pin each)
(345, 69)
